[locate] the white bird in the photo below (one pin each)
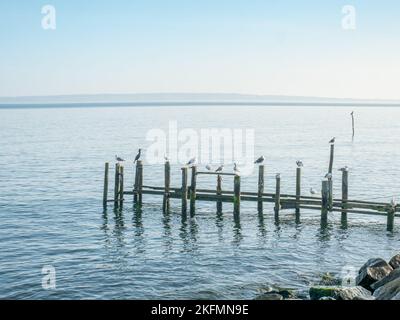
(346, 168)
(191, 161)
(220, 168)
(259, 160)
(208, 167)
(332, 141)
(312, 191)
(328, 176)
(119, 159)
(235, 168)
(278, 175)
(393, 202)
(299, 163)
(138, 155)
(166, 158)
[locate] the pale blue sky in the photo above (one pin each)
(241, 46)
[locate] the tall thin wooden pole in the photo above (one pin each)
(325, 202)
(298, 189)
(193, 191)
(184, 190)
(167, 182)
(105, 190)
(116, 184)
(330, 199)
(345, 194)
(121, 185)
(260, 187)
(140, 181)
(236, 197)
(136, 184)
(332, 153)
(277, 195)
(219, 193)
(352, 122)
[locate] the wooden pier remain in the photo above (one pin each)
(326, 203)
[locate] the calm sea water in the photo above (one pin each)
(51, 213)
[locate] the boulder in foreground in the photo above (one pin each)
(373, 270)
(340, 293)
(395, 261)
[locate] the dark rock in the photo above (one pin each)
(329, 279)
(340, 293)
(392, 276)
(269, 296)
(396, 297)
(388, 291)
(395, 261)
(372, 271)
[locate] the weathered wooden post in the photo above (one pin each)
(167, 182)
(324, 202)
(352, 122)
(345, 194)
(116, 185)
(236, 197)
(121, 185)
(193, 191)
(136, 185)
(298, 189)
(390, 217)
(331, 158)
(184, 190)
(330, 198)
(277, 195)
(140, 181)
(260, 187)
(105, 189)
(219, 193)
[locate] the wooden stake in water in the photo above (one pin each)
(390, 217)
(298, 189)
(352, 122)
(121, 185)
(236, 197)
(331, 158)
(219, 193)
(260, 187)
(140, 181)
(105, 190)
(167, 182)
(345, 194)
(193, 191)
(277, 195)
(184, 191)
(136, 185)
(324, 202)
(116, 185)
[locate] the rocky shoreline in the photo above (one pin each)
(376, 280)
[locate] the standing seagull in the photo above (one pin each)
(299, 163)
(208, 167)
(332, 141)
(119, 159)
(312, 191)
(191, 161)
(346, 168)
(138, 155)
(219, 169)
(328, 176)
(259, 160)
(166, 157)
(393, 202)
(235, 168)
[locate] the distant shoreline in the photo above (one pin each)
(193, 104)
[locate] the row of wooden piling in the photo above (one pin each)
(326, 203)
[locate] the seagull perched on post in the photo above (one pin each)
(220, 168)
(393, 202)
(138, 156)
(259, 160)
(166, 157)
(235, 168)
(278, 175)
(299, 163)
(332, 141)
(191, 161)
(119, 159)
(328, 176)
(208, 167)
(312, 191)
(346, 168)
